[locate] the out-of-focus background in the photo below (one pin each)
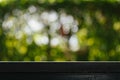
(59, 30)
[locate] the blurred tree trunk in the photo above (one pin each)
(48, 46)
(82, 54)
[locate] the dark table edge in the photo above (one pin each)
(60, 67)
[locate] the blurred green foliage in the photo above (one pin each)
(59, 30)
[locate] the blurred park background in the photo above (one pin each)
(59, 30)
